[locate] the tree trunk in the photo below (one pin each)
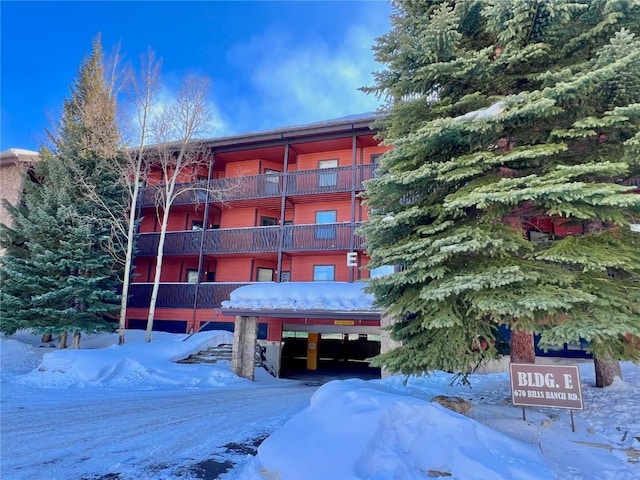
(156, 278)
(63, 340)
(606, 371)
(128, 260)
(522, 349)
(46, 338)
(75, 343)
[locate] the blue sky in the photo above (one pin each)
(272, 64)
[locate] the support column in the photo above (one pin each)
(245, 336)
(386, 342)
(313, 341)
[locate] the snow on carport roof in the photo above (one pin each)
(308, 299)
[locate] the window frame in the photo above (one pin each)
(197, 225)
(268, 221)
(328, 179)
(316, 272)
(328, 230)
(191, 272)
(262, 269)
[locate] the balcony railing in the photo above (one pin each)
(295, 238)
(182, 295)
(330, 236)
(305, 182)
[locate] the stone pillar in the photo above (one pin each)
(386, 342)
(245, 336)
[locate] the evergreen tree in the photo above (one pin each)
(60, 273)
(505, 116)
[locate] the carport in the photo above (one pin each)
(314, 308)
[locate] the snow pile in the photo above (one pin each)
(355, 429)
(172, 415)
(17, 357)
(332, 296)
(489, 112)
(136, 364)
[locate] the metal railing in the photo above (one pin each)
(182, 295)
(303, 182)
(295, 238)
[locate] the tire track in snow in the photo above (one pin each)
(127, 434)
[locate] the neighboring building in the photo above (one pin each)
(14, 165)
(291, 214)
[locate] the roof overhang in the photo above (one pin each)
(313, 314)
(15, 156)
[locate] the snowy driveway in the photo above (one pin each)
(93, 434)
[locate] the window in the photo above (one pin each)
(285, 277)
(330, 177)
(265, 274)
(268, 221)
(326, 217)
(192, 275)
(271, 181)
(324, 273)
(197, 225)
(211, 276)
(374, 159)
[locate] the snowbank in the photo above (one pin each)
(355, 429)
(136, 364)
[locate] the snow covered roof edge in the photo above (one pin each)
(301, 296)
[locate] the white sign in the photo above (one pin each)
(352, 259)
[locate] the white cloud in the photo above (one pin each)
(304, 80)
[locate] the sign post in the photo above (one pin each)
(556, 386)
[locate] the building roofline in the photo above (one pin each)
(13, 156)
(351, 122)
(360, 123)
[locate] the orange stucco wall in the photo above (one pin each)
(233, 269)
(310, 161)
(238, 217)
(302, 267)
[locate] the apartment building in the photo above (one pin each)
(288, 212)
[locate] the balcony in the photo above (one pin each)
(330, 236)
(182, 295)
(295, 238)
(328, 180)
(306, 182)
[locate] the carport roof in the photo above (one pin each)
(302, 300)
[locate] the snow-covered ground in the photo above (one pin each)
(108, 412)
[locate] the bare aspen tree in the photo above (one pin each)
(160, 150)
(145, 89)
(134, 137)
(178, 156)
